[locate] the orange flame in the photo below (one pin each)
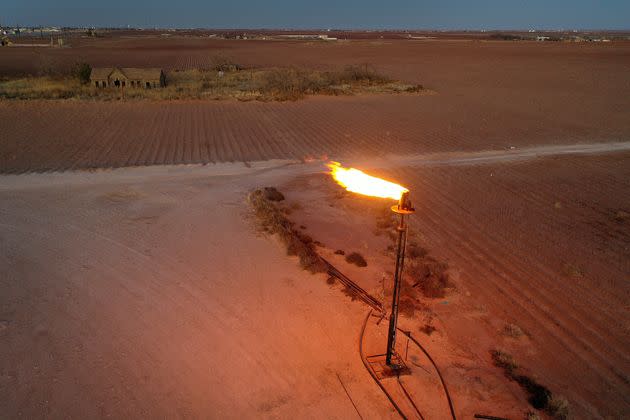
(359, 182)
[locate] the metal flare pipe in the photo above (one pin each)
(403, 208)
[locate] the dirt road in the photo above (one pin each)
(146, 291)
(149, 294)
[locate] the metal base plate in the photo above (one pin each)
(382, 370)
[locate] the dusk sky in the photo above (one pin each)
(377, 14)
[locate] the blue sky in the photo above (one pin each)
(375, 14)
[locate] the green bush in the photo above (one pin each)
(82, 71)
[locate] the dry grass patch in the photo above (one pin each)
(512, 330)
(428, 329)
(621, 216)
(571, 270)
(224, 80)
(539, 396)
(43, 87)
(272, 194)
(504, 360)
(532, 416)
(558, 407)
(273, 221)
(425, 273)
(429, 275)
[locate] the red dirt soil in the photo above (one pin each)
(543, 245)
(489, 95)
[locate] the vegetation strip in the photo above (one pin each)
(273, 221)
(540, 397)
(224, 80)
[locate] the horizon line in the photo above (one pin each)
(325, 29)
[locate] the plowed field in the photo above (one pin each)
(490, 95)
(532, 238)
(544, 245)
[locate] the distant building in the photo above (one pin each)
(543, 38)
(127, 77)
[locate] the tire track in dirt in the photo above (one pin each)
(531, 275)
(537, 207)
(475, 269)
(576, 215)
(480, 259)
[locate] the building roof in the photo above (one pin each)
(101, 72)
(131, 72)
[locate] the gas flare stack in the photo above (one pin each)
(403, 208)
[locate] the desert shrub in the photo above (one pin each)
(428, 329)
(407, 305)
(430, 276)
(434, 286)
(505, 37)
(356, 259)
(224, 64)
(571, 270)
(42, 88)
(82, 72)
(364, 73)
(304, 238)
(558, 407)
(272, 194)
(273, 221)
(504, 360)
(532, 416)
(293, 83)
(414, 251)
(221, 81)
(349, 292)
(538, 395)
(288, 83)
(621, 216)
(512, 330)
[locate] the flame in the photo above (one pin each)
(359, 182)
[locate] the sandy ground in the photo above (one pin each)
(147, 292)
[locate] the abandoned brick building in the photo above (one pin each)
(127, 77)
